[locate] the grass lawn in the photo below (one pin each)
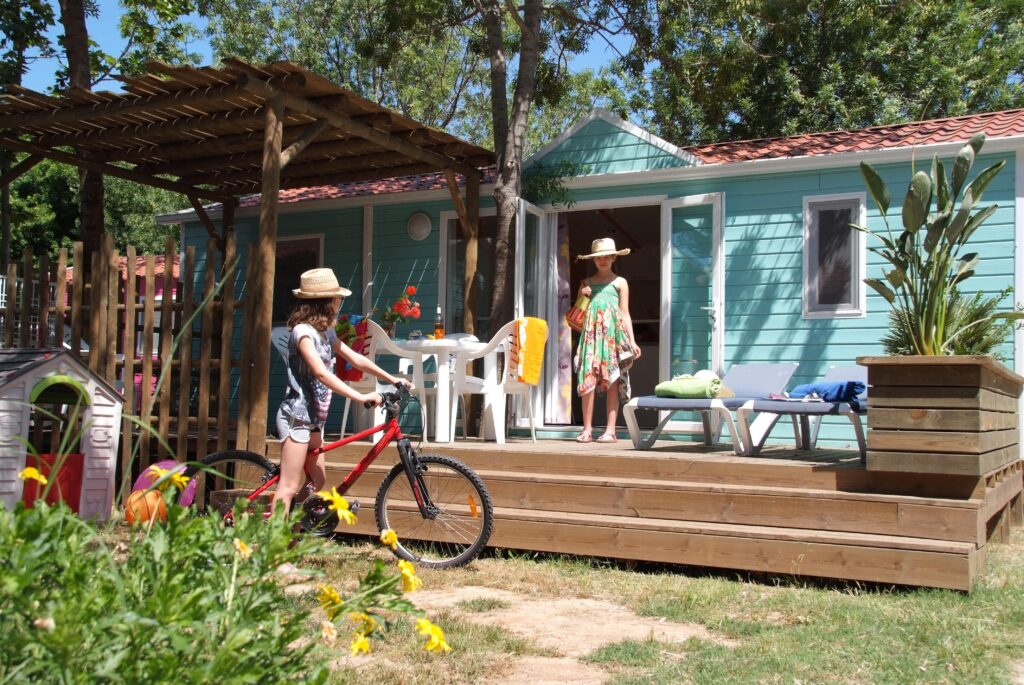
(751, 629)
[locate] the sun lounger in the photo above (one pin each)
(807, 413)
(747, 381)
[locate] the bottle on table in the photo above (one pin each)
(438, 324)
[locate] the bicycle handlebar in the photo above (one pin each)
(393, 399)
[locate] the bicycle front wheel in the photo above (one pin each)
(227, 476)
(458, 524)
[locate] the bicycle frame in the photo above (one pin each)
(392, 431)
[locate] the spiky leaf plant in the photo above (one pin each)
(928, 259)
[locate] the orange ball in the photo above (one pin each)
(145, 505)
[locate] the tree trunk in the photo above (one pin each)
(76, 44)
(5, 214)
(509, 134)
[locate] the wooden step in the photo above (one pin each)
(853, 556)
(927, 518)
(839, 470)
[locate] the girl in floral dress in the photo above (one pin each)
(607, 333)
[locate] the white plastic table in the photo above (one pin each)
(445, 349)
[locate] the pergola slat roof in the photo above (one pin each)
(201, 131)
(223, 133)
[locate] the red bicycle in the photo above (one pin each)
(439, 507)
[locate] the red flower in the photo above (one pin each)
(410, 290)
(414, 312)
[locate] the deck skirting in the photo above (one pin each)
(813, 514)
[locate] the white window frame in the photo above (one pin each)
(812, 310)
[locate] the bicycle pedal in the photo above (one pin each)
(353, 506)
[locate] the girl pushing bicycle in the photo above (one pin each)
(312, 348)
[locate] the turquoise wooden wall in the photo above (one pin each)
(606, 149)
(763, 227)
(763, 259)
(398, 262)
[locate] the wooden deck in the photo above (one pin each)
(818, 514)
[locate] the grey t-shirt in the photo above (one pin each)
(307, 398)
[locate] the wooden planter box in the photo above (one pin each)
(954, 415)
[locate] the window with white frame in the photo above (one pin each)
(834, 256)
(294, 255)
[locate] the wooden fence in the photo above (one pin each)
(116, 322)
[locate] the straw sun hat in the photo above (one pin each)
(603, 247)
(317, 283)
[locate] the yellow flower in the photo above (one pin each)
(366, 622)
(31, 472)
(156, 473)
(244, 550)
(410, 583)
(435, 636)
(179, 480)
(360, 645)
(330, 600)
(328, 632)
(389, 538)
(339, 504)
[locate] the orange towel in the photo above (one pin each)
(527, 355)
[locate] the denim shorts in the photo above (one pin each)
(296, 429)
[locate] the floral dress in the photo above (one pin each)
(597, 356)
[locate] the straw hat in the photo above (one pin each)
(603, 247)
(317, 283)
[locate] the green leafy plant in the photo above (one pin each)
(187, 601)
(984, 337)
(929, 259)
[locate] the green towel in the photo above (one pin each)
(689, 388)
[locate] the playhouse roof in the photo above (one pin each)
(952, 129)
(16, 362)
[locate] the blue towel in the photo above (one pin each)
(837, 391)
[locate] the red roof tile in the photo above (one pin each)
(401, 184)
(140, 267)
(953, 129)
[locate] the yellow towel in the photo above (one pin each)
(527, 354)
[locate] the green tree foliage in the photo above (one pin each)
(735, 69)
(426, 78)
(44, 211)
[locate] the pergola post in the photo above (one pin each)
(263, 288)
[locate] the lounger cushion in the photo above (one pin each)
(673, 404)
(804, 408)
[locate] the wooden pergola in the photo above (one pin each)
(219, 134)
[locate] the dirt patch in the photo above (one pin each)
(541, 670)
(571, 628)
(1018, 673)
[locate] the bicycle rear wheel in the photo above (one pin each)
(460, 521)
(230, 475)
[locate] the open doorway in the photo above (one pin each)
(639, 229)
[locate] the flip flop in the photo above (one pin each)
(607, 437)
(584, 437)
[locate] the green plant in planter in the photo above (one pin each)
(982, 333)
(929, 259)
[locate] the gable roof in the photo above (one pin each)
(599, 114)
(1003, 124)
(15, 362)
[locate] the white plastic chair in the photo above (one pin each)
(494, 386)
(410, 366)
